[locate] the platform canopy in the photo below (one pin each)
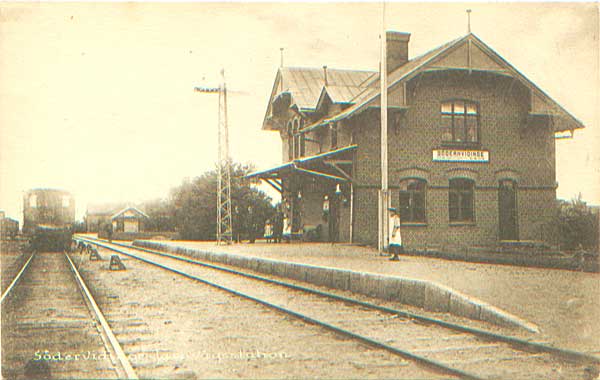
(335, 165)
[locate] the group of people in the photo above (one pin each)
(274, 232)
(274, 229)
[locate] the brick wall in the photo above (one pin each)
(516, 151)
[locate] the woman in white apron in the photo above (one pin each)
(395, 236)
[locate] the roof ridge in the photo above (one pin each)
(438, 47)
(328, 68)
(374, 79)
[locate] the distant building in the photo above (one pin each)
(99, 215)
(9, 228)
(471, 144)
(129, 219)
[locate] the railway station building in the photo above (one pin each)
(471, 147)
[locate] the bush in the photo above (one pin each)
(577, 225)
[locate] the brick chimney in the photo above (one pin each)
(397, 49)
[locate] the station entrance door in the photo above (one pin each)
(507, 210)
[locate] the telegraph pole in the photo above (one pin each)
(224, 216)
(384, 201)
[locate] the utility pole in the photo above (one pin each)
(224, 216)
(384, 200)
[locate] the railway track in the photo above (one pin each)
(455, 350)
(52, 327)
(12, 272)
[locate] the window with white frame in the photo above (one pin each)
(461, 205)
(412, 200)
(460, 122)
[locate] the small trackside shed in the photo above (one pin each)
(471, 148)
(129, 219)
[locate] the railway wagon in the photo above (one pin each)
(9, 228)
(48, 216)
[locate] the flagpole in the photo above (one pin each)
(383, 195)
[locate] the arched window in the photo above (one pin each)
(296, 139)
(333, 129)
(33, 201)
(302, 140)
(412, 200)
(66, 201)
(460, 122)
(290, 138)
(461, 200)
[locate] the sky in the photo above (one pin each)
(97, 98)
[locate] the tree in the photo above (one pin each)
(160, 215)
(577, 224)
(194, 205)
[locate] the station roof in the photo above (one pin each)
(104, 208)
(468, 53)
(305, 85)
(135, 210)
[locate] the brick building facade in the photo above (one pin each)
(471, 147)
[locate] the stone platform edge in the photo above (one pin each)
(420, 293)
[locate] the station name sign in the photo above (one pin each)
(455, 155)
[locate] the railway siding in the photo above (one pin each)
(420, 293)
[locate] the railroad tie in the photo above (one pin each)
(116, 263)
(94, 255)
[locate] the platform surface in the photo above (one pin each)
(564, 304)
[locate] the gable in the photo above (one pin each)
(130, 212)
(468, 56)
(465, 53)
(267, 124)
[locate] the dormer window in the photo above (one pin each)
(460, 122)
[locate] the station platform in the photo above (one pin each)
(565, 305)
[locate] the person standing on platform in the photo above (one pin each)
(278, 225)
(396, 247)
(109, 232)
(268, 231)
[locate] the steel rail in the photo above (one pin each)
(16, 279)
(435, 365)
(105, 327)
(515, 342)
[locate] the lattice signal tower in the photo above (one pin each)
(224, 215)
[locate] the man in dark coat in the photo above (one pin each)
(278, 225)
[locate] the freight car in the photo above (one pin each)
(48, 216)
(9, 228)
